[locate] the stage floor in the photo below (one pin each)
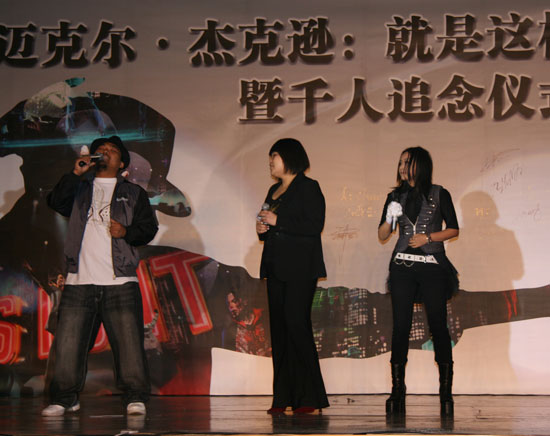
(348, 414)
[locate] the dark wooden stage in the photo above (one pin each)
(348, 414)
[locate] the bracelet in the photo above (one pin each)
(429, 238)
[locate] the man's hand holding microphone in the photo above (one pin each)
(85, 161)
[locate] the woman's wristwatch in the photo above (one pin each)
(429, 238)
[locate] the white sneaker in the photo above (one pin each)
(58, 410)
(137, 408)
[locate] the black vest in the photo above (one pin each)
(429, 220)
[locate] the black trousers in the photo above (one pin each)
(297, 379)
(431, 281)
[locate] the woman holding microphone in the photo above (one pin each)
(290, 224)
(419, 269)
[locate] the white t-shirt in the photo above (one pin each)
(95, 263)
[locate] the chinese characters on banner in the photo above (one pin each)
(310, 41)
(65, 45)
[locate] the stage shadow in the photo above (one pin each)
(489, 262)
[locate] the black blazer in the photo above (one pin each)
(292, 248)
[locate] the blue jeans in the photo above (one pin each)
(120, 309)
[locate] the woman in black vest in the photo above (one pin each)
(290, 225)
(419, 269)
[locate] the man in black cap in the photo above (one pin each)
(108, 218)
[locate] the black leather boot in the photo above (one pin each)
(395, 404)
(446, 388)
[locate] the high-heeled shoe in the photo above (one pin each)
(306, 410)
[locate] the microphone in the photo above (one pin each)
(96, 157)
(265, 206)
(394, 197)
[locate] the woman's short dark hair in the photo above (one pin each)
(292, 153)
(420, 169)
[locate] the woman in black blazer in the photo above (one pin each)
(290, 225)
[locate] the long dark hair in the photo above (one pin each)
(419, 169)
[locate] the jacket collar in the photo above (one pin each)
(300, 177)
